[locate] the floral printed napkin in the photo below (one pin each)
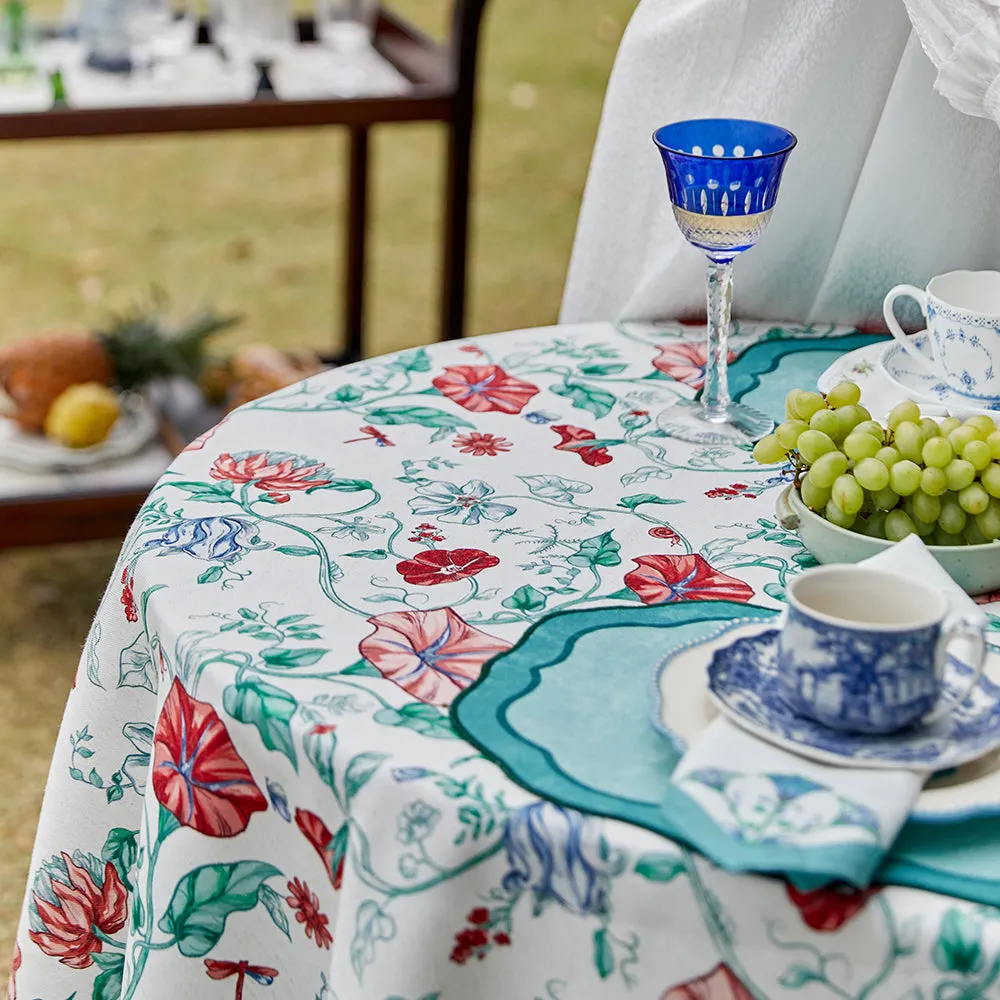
(751, 806)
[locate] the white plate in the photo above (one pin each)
(132, 431)
(905, 372)
(880, 393)
(685, 708)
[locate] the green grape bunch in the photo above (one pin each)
(939, 479)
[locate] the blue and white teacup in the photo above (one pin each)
(962, 309)
(864, 650)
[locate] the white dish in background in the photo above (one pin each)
(879, 392)
(905, 371)
(133, 430)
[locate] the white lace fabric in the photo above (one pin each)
(962, 39)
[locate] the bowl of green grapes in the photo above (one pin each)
(860, 487)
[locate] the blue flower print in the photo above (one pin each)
(466, 504)
(218, 539)
(561, 856)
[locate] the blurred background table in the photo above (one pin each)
(410, 78)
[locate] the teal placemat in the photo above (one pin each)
(569, 713)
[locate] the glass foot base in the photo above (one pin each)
(688, 421)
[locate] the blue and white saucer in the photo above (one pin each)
(908, 374)
(743, 681)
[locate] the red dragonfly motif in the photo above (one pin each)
(223, 970)
(373, 434)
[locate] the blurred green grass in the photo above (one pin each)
(252, 222)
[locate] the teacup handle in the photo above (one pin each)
(897, 331)
(961, 627)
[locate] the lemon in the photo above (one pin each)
(82, 415)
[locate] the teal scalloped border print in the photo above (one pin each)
(812, 356)
(480, 712)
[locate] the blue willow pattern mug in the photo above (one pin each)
(864, 650)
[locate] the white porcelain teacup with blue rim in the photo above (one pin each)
(864, 649)
(962, 309)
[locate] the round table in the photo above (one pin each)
(257, 790)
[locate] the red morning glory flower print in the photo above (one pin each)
(76, 905)
(719, 984)
(305, 903)
(484, 388)
(829, 908)
(685, 362)
(431, 655)
(427, 569)
(478, 444)
(571, 438)
(332, 849)
(275, 475)
(197, 773)
(662, 578)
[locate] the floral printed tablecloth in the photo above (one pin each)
(257, 790)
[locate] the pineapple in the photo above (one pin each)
(35, 371)
(134, 349)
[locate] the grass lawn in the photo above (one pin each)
(252, 222)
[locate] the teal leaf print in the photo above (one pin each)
(346, 394)
(604, 956)
(93, 662)
(271, 901)
(204, 899)
(108, 985)
(424, 719)
(320, 745)
(372, 925)
(221, 492)
(640, 498)
(360, 771)
(602, 369)
(121, 848)
(285, 659)
(135, 664)
(555, 487)
(424, 416)
(295, 550)
(659, 867)
(367, 554)
(526, 598)
(412, 361)
(584, 397)
(361, 669)
(256, 703)
(601, 550)
(643, 473)
(211, 575)
(797, 976)
(959, 944)
(346, 485)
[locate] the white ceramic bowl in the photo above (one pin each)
(975, 568)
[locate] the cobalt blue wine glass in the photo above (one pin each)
(723, 176)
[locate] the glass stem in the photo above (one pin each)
(715, 395)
